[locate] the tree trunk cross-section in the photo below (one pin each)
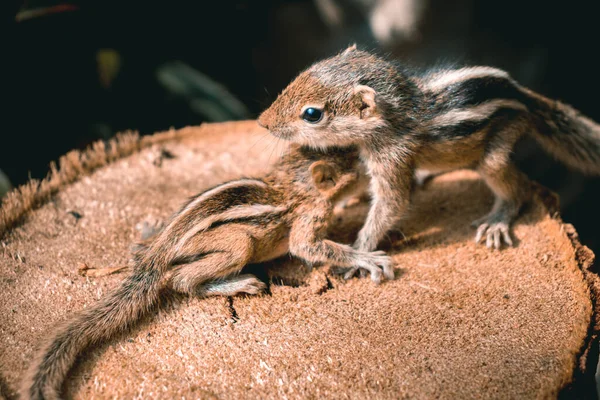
(459, 321)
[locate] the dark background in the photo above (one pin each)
(76, 72)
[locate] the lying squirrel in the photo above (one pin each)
(210, 239)
(436, 121)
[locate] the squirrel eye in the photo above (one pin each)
(312, 115)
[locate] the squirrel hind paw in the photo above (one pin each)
(495, 233)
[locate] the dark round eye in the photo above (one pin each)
(312, 115)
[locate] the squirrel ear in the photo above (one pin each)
(323, 175)
(349, 49)
(364, 99)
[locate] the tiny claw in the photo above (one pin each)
(497, 242)
(388, 272)
(376, 277)
(253, 287)
(384, 262)
(507, 238)
(480, 231)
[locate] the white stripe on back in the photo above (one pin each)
(214, 191)
(236, 212)
(438, 81)
(475, 113)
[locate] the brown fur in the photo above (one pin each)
(444, 120)
(241, 222)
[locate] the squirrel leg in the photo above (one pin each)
(215, 264)
(232, 286)
(511, 189)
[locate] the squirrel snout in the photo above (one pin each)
(262, 121)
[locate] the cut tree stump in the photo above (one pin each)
(459, 321)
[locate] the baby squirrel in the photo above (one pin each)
(437, 121)
(210, 239)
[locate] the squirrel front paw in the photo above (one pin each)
(377, 263)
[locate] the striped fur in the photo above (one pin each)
(208, 242)
(481, 112)
(139, 293)
(192, 207)
(441, 80)
(236, 213)
(442, 120)
(477, 95)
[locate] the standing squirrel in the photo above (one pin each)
(209, 240)
(437, 121)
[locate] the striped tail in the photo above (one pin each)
(476, 94)
(565, 133)
(117, 312)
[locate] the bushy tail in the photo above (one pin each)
(113, 314)
(565, 133)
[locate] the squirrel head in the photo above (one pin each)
(331, 103)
